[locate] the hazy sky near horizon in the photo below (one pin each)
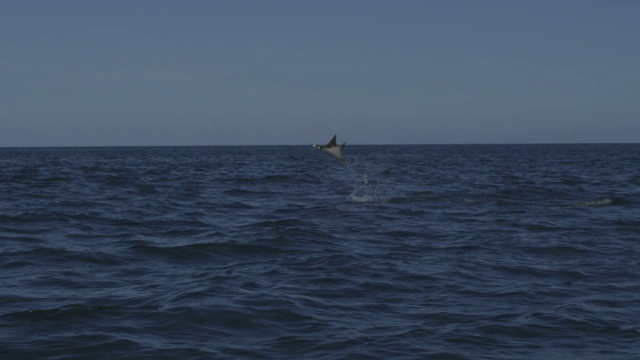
(206, 72)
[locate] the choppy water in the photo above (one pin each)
(416, 252)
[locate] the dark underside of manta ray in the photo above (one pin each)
(332, 149)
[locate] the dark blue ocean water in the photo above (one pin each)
(413, 252)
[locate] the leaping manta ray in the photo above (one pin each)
(331, 149)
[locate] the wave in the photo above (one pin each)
(237, 205)
(24, 239)
(245, 192)
(602, 202)
(206, 251)
(278, 224)
(63, 313)
(52, 255)
(557, 250)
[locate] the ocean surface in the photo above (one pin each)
(280, 252)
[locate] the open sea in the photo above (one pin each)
(280, 252)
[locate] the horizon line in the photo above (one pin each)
(356, 144)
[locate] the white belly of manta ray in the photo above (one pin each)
(333, 150)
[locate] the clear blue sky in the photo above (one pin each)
(206, 72)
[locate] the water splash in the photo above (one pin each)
(368, 186)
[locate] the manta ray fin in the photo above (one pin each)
(332, 143)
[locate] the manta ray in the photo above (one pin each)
(331, 149)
